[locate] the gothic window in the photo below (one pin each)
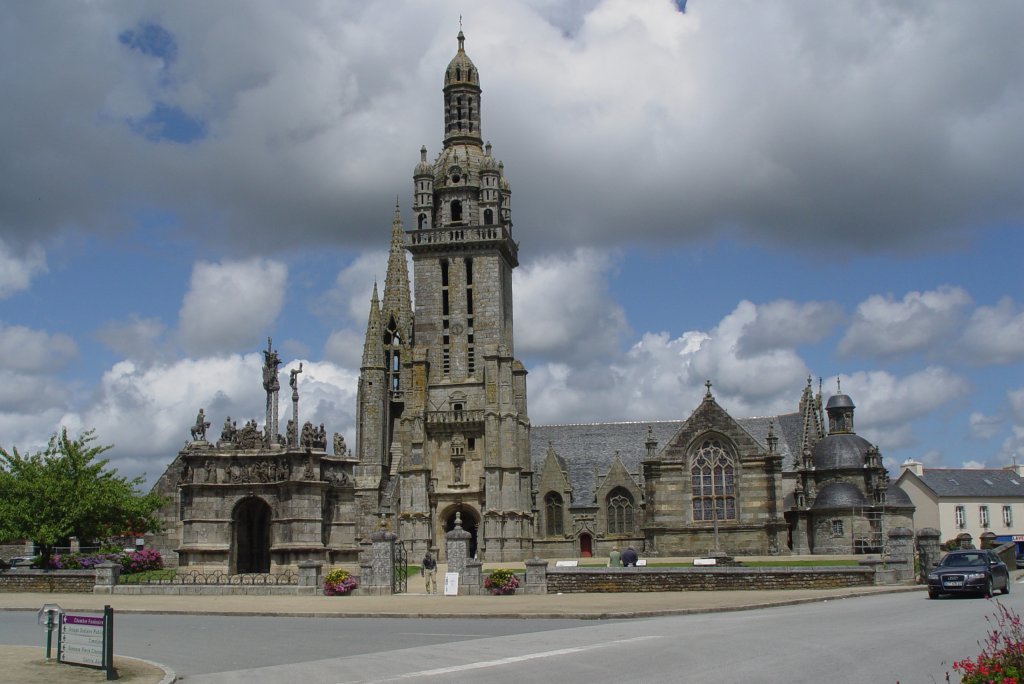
(392, 353)
(422, 221)
(488, 217)
(553, 514)
(713, 483)
(620, 512)
(456, 211)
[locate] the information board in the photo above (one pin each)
(451, 584)
(82, 639)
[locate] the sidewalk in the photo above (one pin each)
(27, 664)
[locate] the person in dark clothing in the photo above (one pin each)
(629, 557)
(428, 569)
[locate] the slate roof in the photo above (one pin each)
(589, 449)
(973, 483)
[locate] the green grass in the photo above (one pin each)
(146, 576)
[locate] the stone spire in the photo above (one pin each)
(373, 346)
(397, 299)
(813, 423)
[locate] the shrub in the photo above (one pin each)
(130, 561)
(501, 581)
(1002, 653)
(339, 583)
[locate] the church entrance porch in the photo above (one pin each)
(250, 544)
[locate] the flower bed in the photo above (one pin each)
(339, 583)
(501, 582)
(130, 561)
(1002, 653)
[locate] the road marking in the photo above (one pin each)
(445, 634)
(510, 660)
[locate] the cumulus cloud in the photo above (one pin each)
(139, 339)
(34, 351)
(995, 334)
(889, 403)
(264, 129)
(783, 324)
(883, 326)
(985, 427)
(345, 348)
(230, 303)
(17, 271)
(349, 297)
(571, 312)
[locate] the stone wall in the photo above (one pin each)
(48, 581)
(609, 580)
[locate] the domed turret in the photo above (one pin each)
(461, 69)
(423, 168)
(461, 99)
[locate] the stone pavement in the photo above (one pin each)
(23, 664)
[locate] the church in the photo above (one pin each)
(442, 429)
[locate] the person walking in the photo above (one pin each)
(428, 570)
(615, 558)
(629, 557)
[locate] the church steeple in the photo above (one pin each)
(396, 314)
(373, 346)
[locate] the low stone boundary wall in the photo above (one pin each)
(611, 580)
(48, 581)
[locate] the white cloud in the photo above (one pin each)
(995, 334)
(230, 304)
(985, 427)
(571, 313)
(345, 347)
(889, 404)
(16, 272)
(885, 327)
(784, 324)
(973, 465)
(349, 298)
(34, 351)
(138, 339)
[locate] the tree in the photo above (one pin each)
(63, 491)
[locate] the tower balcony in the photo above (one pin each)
(460, 420)
(451, 238)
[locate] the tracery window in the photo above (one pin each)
(713, 483)
(553, 514)
(620, 512)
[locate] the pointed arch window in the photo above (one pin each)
(713, 482)
(620, 512)
(553, 508)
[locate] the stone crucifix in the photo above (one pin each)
(293, 382)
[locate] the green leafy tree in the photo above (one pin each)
(64, 491)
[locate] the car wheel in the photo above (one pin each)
(1006, 587)
(988, 588)
(933, 594)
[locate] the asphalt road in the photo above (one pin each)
(888, 638)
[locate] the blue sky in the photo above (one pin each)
(746, 192)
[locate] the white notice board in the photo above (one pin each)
(451, 584)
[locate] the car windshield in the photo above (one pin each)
(964, 559)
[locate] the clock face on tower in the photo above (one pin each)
(457, 328)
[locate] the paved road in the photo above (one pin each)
(888, 638)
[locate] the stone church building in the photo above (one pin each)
(442, 429)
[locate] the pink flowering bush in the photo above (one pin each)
(339, 583)
(501, 581)
(130, 561)
(1002, 653)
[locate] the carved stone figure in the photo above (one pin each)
(321, 437)
(270, 363)
(229, 431)
(309, 435)
(292, 436)
(210, 472)
(249, 437)
(339, 444)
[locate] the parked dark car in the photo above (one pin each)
(971, 571)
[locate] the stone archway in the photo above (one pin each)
(251, 538)
(470, 523)
(586, 545)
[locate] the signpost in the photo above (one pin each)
(87, 639)
(49, 617)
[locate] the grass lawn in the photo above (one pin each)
(147, 576)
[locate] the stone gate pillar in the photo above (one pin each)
(536, 576)
(457, 551)
(901, 553)
(381, 563)
(929, 551)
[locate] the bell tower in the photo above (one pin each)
(465, 430)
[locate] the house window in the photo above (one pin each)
(1007, 516)
(837, 528)
(553, 514)
(713, 483)
(620, 512)
(961, 517)
(983, 516)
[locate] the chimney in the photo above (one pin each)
(913, 466)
